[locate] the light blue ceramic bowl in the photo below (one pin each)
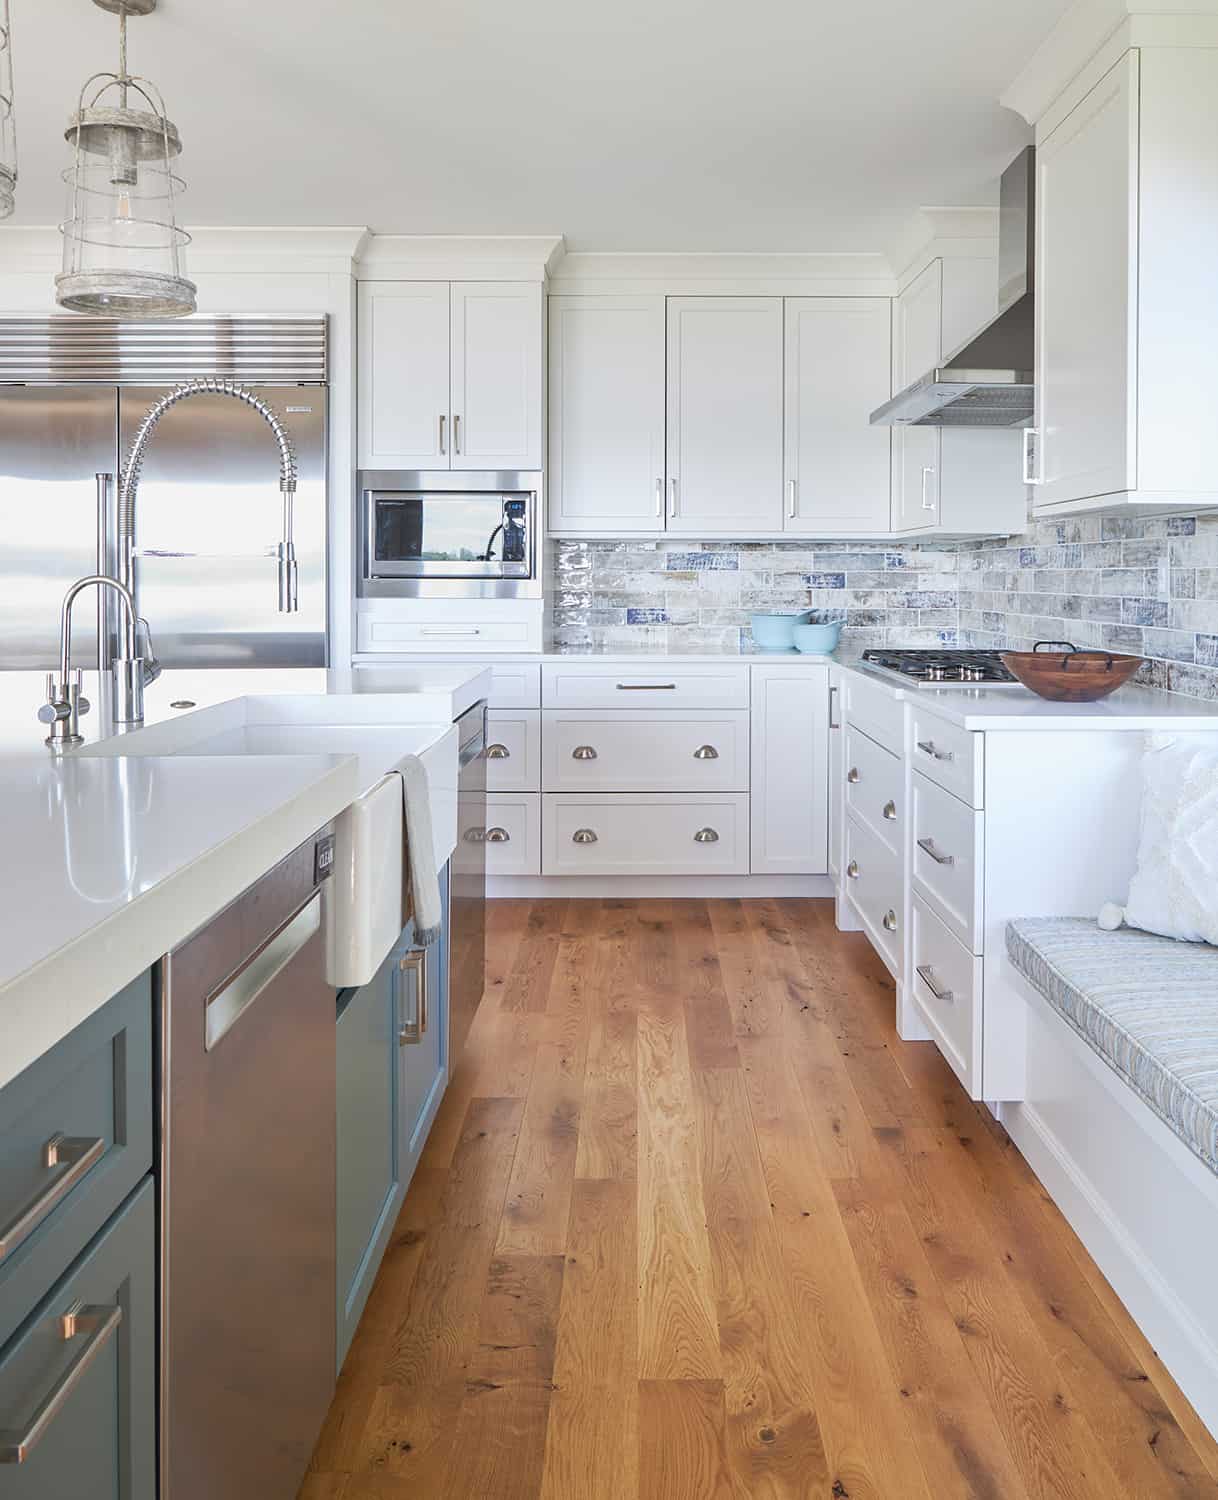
(817, 640)
(776, 632)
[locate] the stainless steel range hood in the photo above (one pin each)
(987, 381)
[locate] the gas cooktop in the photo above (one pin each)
(946, 668)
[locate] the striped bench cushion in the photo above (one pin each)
(1148, 1005)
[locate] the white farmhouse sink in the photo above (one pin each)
(364, 914)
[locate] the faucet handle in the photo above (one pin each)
(77, 694)
(57, 707)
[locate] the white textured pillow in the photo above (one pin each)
(1175, 889)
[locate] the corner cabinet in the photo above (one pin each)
(450, 375)
(1127, 322)
(790, 769)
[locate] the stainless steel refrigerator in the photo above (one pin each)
(72, 391)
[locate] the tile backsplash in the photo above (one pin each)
(1143, 585)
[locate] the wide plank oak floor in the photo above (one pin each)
(695, 1224)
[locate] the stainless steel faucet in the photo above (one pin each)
(65, 701)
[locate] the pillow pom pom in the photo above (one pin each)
(1111, 916)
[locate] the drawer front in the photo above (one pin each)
(946, 988)
(645, 835)
(452, 635)
(96, 1375)
(513, 834)
(515, 684)
(875, 710)
(513, 750)
(948, 860)
(584, 684)
(677, 751)
(875, 788)
(873, 883)
(76, 1128)
(949, 755)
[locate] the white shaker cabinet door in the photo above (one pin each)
(838, 370)
(917, 349)
(606, 414)
(790, 770)
(1086, 279)
(725, 397)
(496, 375)
(403, 375)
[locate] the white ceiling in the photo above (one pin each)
(781, 125)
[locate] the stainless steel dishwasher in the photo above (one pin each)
(247, 1191)
(467, 885)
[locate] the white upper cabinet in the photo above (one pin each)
(725, 410)
(403, 375)
(606, 427)
(450, 376)
(838, 369)
(918, 347)
(496, 375)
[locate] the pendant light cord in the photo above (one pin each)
(122, 54)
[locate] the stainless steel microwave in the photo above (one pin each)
(454, 534)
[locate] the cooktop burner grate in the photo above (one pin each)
(943, 666)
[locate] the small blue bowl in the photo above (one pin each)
(817, 640)
(777, 632)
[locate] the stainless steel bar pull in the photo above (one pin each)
(100, 1324)
(927, 846)
(927, 975)
(443, 448)
(414, 1028)
(228, 1005)
(75, 1152)
(928, 747)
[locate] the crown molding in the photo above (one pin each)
(1088, 26)
(956, 233)
(444, 257)
(232, 251)
(724, 273)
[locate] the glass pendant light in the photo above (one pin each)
(123, 250)
(8, 128)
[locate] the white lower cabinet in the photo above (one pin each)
(876, 888)
(513, 834)
(513, 750)
(946, 986)
(790, 770)
(875, 788)
(948, 860)
(645, 834)
(652, 751)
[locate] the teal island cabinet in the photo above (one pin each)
(78, 1264)
(392, 1072)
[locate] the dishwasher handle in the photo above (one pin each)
(226, 1007)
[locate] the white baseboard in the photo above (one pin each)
(622, 887)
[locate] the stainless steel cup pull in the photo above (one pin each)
(890, 920)
(928, 747)
(927, 975)
(927, 846)
(706, 836)
(890, 811)
(852, 869)
(498, 752)
(583, 836)
(706, 752)
(498, 836)
(583, 752)
(75, 1152)
(475, 835)
(853, 776)
(413, 1029)
(99, 1324)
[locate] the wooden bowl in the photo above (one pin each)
(1062, 673)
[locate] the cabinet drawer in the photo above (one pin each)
(515, 684)
(97, 1377)
(645, 835)
(89, 1103)
(513, 834)
(948, 859)
(656, 684)
(873, 883)
(875, 787)
(656, 751)
(513, 750)
(946, 988)
(874, 709)
(947, 754)
(474, 634)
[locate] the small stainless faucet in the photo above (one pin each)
(65, 700)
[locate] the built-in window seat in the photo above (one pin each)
(1119, 1119)
(1148, 1005)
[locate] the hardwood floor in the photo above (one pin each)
(694, 1224)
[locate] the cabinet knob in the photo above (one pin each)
(583, 836)
(706, 836)
(890, 811)
(583, 752)
(498, 752)
(853, 775)
(498, 836)
(890, 920)
(706, 752)
(852, 869)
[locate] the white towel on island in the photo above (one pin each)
(420, 878)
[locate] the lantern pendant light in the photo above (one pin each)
(8, 130)
(123, 250)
